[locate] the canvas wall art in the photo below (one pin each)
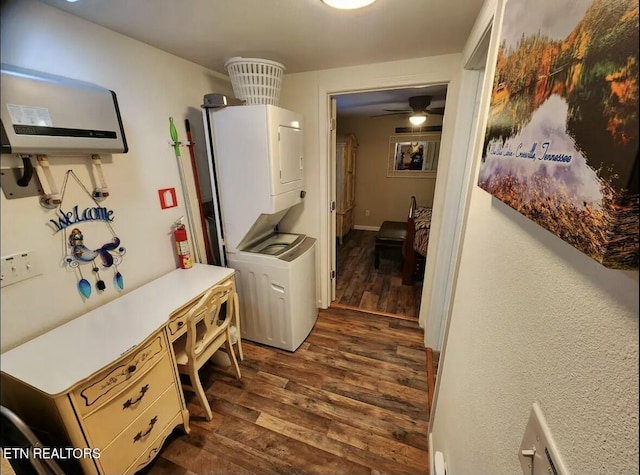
(561, 144)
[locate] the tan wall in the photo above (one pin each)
(151, 86)
(308, 94)
(386, 198)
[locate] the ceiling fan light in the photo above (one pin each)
(348, 4)
(417, 119)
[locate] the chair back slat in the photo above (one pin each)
(203, 320)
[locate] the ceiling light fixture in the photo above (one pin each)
(418, 119)
(348, 4)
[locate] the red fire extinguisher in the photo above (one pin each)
(182, 245)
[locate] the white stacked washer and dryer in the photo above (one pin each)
(257, 176)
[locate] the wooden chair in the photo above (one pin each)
(205, 335)
(234, 311)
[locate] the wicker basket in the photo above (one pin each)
(254, 80)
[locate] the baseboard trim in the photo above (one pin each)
(372, 312)
(431, 454)
(431, 379)
(360, 227)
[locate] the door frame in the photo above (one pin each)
(479, 54)
(448, 73)
(333, 191)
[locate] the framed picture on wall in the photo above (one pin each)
(561, 144)
(413, 155)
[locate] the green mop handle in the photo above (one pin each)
(174, 137)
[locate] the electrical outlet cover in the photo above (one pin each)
(19, 267)
(538, 452)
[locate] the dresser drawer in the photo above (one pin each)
(141, 434)
(178, 322)
(116, 378)
(154, 448)
(109, 420)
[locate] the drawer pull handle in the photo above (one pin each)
(129, 403)
(131, 368)
(140, 435)
(180, 324)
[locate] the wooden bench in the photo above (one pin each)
(390, 236)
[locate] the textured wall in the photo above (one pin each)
(536, 320)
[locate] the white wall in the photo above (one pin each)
(534, 319)
(307, 93)
(151, 86)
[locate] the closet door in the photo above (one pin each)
(346, 186)
(339, 175)
(350, 180)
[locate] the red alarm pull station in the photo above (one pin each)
(168, 198)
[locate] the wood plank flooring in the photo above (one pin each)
(352, 399)
(359, 284)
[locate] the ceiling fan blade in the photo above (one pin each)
(392, 113)
(399, 111)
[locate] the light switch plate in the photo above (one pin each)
(538, 452)
(20, 266)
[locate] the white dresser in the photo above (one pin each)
(108, 379)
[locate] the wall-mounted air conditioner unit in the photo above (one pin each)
(46, 114)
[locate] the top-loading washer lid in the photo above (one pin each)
(276, 244)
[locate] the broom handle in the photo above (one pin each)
(207, 244)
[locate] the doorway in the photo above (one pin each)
(371, 124)
(417, 73)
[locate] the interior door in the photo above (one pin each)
(332, 197)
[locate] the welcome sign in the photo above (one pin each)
(561, 145)
(76, 216)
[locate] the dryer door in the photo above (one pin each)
(286, 150)
(290, 154)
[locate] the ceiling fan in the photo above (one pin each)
(419, 109)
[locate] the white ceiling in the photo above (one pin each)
(303, 35)
(368, 104)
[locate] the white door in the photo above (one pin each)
(332, 196)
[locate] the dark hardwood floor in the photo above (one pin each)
(359, 284)
(352, 399)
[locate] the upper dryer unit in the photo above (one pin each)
(258, 152)
(53, 115)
